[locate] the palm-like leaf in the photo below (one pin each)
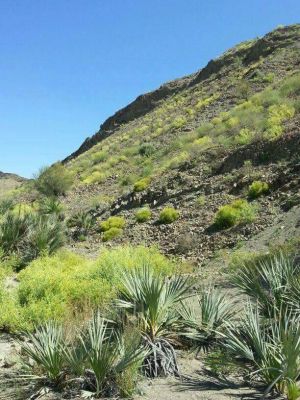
(152, 300)
(106, 354)
(46, 348)
(203, 324)
(272, 349)
(268, 282)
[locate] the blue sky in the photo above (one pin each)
(66, 65)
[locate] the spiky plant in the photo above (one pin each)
(51, 206)
(202, 324)
(152, 300)
(272, 350)
(6, 205)
(268, 282)
(13, 230)
(106, 355)
(83, 221)
(46, 348)
(45, 236)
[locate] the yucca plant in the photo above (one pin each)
(152, 300)
(271, 349)
(45, 236)
(46, 347)
(83, 221)
(202, 324)
(268, 282)
(106, 355)
(6, 205)
(51, 206)
(13, 230)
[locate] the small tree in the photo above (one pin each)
(54, 180)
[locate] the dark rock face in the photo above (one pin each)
(279, 38)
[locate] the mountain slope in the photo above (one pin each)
(9, 182)
(197, 144)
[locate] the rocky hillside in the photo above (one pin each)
(197, 144)
(9, 182)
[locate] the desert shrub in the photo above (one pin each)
(45, 236)
(51, 206)
(168, 215)
(6, 205)
(141, 184)
(83, 221)
(257, 188)
(94, 177)
(67, 287)
(111, 233)
(112, 222)
(54, 181)
(179, 122)
(143, 215)
(13, 230)
(27, 236)
(146, 149)
(240, 211)
(245, 136)
(201, 200)
(99, 156)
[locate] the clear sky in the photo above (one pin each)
(66, 65)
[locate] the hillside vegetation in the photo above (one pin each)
(115, 260)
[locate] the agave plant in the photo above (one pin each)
(106, 354)
(272, 350)
(269, 282)
(46, 348)
(203, 324)
(152, 300)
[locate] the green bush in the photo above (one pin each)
(143, 215)
(201, 200)
(54, 181)
(168, 215)
(239, 211)
(146, 149)
(111, 233)
(112, 222)
(83, 221)
(67, 287)
(6, 205)
(51, 206)
(141, 184)
(257, 188)
(29, 235)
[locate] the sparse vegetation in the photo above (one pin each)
(238, 212)
(143, 215)
(257, 188)
(54, 181)
(168, 215)
(112, 222)
(141, 184)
